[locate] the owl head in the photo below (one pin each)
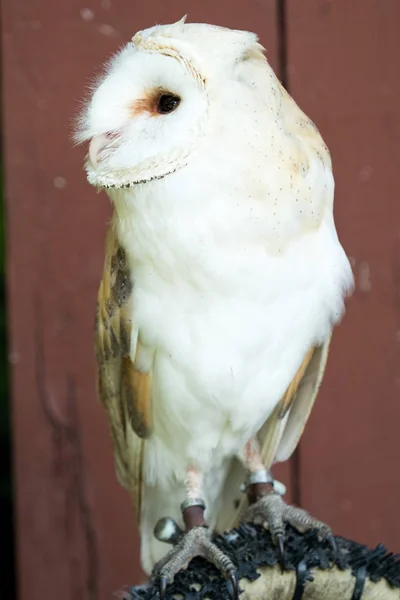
(166, 92)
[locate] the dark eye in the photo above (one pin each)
(167, 103)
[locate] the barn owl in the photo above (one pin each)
(223, 280)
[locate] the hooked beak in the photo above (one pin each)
(97, 144)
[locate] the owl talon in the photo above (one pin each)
(163, 587)
(195, 542)
(235, 586)
(280, 540)
(333, 545)
(271, 509)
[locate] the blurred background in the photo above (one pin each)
(66, 525)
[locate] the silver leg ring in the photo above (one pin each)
(261, 476)
(192, 502)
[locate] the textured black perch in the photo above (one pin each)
(359, 572)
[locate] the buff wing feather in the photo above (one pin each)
(124, 390)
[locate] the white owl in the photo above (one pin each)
(223, 280)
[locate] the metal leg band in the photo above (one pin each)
(192, 502)
(263, 476)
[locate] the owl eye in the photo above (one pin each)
(167, 103)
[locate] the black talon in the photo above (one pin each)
(235, 587)
(163, 587)
(332, 543)
(280, 540)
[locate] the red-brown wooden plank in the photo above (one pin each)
(76, 537)
(343, 70)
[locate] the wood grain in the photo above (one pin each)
(343, 70)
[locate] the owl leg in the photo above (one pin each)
(267, 506)
(194, 541)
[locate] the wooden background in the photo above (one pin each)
(339, 58)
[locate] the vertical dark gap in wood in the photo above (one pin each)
(8, 576)
(281, 13)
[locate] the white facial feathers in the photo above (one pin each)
(195, 62)
(234, 131)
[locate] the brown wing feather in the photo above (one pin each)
(136, 392)
(123, 389)
(286, 403)
(303, 402)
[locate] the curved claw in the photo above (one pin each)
(280, 540)
(235, 586)
(332, 543)
(163, 587)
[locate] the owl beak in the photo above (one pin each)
(97, 144)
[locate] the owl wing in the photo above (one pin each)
(297, 405)
(280, 434)
(123, 389)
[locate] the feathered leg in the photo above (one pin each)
(267, 506)
(194, 541)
